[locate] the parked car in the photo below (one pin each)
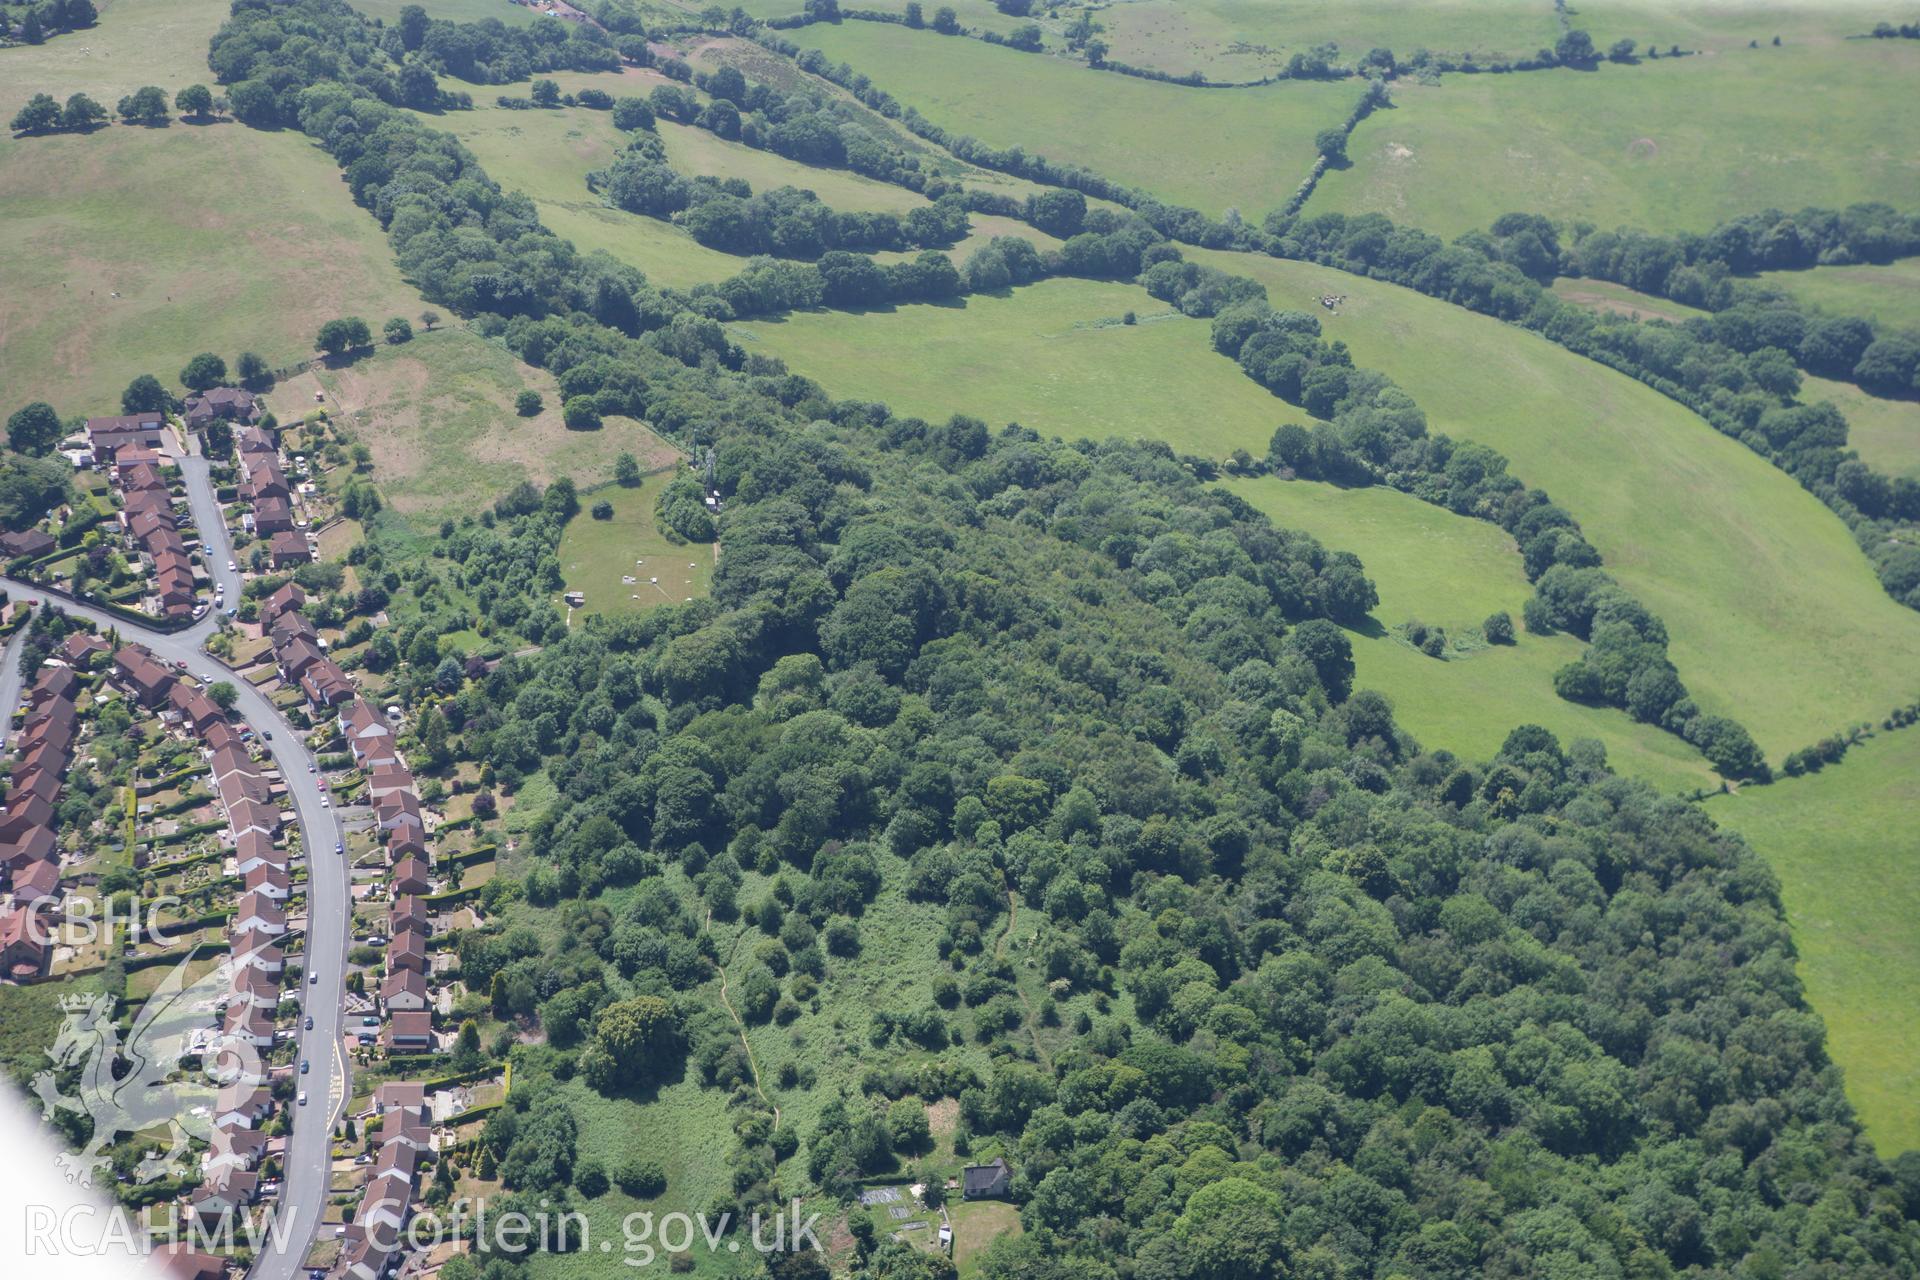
(232, 567)
(304, 1064)
(303, 1097)
(308, 1024)
(313, 979)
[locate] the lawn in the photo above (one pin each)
(109, 269)
(1775, 616)
(977, 1224)
(1847, 850)
(1247, 39)
(1247, 149)
(1452, 572)
(1053, 356)
(1888, 294)
(135, 43)
(595, 555)
(1672, 145)
(438, 414)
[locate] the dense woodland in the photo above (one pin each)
(1342, 1005)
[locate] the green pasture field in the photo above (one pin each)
(1886, 433)
(134, 43)
(548, 154)
(1451, 571)
(1847, 851)
(1888, 295)
(1775, 615)
(438, 414)
(1053, 357)
(1669, 145)
(130, 249)
(596, 554)
(1247, 39)
(1716, 26)
(1210, 149)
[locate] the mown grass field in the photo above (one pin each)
(596, 554)
(1450, 571)
(1053, 357)
(1775, 616)
(1669, 145)
(1247, 149)
(1847, 851)
(109, 268)
(1887, 294)
(438, 414)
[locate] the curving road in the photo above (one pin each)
(309, 1148)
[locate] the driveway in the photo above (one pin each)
(309, 1149)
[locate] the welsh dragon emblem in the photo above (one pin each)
(145, 1085)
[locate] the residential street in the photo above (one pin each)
(309, 1147)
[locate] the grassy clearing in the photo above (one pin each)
(689, 1131)
(109, 269)
(135, 43)
(596, 554)
(1889, 294)
(1775, 615)
(32, 1018)
(548, 154)
(439, 415)
(1886, 433)
(1847, 852)
(1672, 145)
(1617, 299)
(1053, 357)
(1247, 39)
(1210, 149)
(695, 152)
(1452, 572)
(986, 228)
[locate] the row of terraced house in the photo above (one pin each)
(255, 932)
(372, 1246)
(29, 842)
